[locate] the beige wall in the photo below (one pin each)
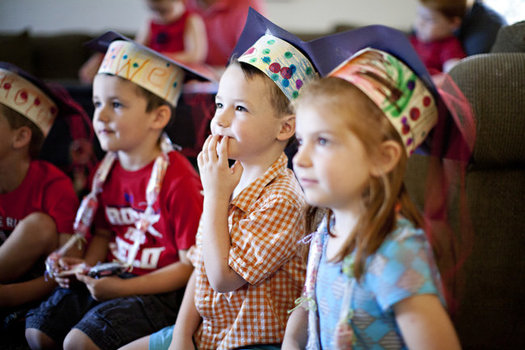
(310, 16)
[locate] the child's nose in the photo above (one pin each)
(301, 158)
(100, 115)
(222, 118)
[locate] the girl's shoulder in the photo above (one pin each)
(403, 239)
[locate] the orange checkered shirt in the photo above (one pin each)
(266, 221)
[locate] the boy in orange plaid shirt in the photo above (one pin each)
(248, 267)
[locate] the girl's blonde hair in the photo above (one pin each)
(385, 196)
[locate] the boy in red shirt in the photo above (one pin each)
(149, 203)
(37, 200)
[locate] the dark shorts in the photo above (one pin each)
(110, 324)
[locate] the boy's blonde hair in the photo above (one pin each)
(16, 121)
(384, 196)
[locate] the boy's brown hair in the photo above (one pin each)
(16, 121)
(279, 100)
(449, 8)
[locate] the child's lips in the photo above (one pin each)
(104, 131)
(306, 182)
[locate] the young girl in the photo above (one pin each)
(371, 279)
(171, 30)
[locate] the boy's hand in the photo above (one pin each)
(218, 179)
(104, 288)
(67, 268)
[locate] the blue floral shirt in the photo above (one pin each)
(402, 267)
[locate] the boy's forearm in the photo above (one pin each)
(166, 279)
(97, 250)
(216, 247)
(76, 251)
(15, 294)
(295, 336)
(188, 319)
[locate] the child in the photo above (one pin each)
(172, 31)
(150, 204)
(37, 200)
(434, 40)
(248, 269)
(371, 281)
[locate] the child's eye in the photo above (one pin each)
(116, 104)
(322, 141)
(96, 104)
(241, 108)
(218, 105)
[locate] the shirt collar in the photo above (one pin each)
(250, 194)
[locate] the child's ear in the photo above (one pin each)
(287, 127)
(388, 157)
(22, 137)
(161, 117)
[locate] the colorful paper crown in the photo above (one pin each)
(282, 62)
(145, 67)
(26, 98)
(396, 89)
(277, 53)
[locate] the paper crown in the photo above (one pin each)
(396, 90)
(26, 97)
(276, 52)
(145, 67)
(282, 62)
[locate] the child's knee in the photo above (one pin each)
(40, 229)
(39, 340)
(76, 339)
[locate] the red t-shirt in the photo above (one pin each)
(435, 53)
(45, 189)
(224, 21)
(178, 210)
(168, 37)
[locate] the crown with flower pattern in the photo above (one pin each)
(27, 99)
(145, 68)
(396, 90)
(282, 62)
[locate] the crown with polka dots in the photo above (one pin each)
(145, 68)
(396, 90)
(282, 62)
(26, 98)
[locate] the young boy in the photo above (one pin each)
(434, 39)
(248, 268)
(149, 204)
(37, 201)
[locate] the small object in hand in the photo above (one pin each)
(106, 269)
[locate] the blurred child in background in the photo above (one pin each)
(171, 30)
(434, 28)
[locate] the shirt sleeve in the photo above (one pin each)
(265, 239)
(452, 51)
(61, 203)
(402, 268)
(185, 209)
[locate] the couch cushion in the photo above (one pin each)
(494, 85)
(17, 49)
(59, 57)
